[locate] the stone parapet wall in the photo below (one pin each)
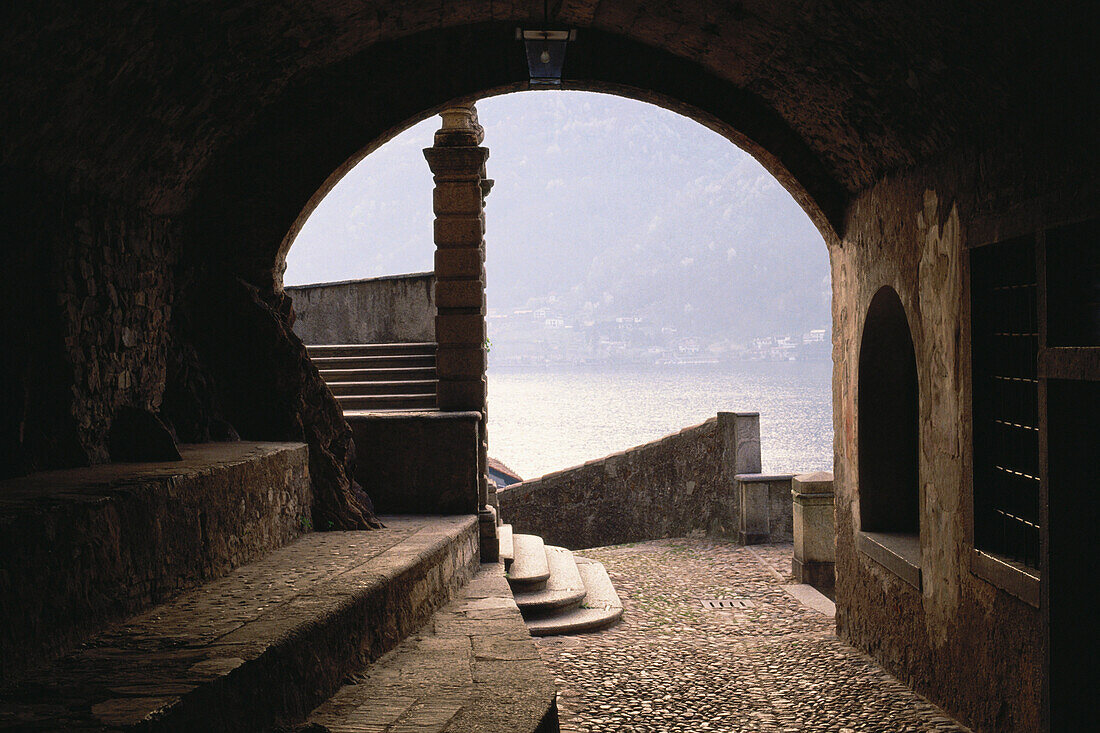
(82, 548)
(681, 484)
(397, 308)
(418, 463)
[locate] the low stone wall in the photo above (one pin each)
(418, 463)
(682, 484)
(85, 547)
(397, 308)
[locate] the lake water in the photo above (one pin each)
(546, 420)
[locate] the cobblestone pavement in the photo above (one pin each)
(672, 665)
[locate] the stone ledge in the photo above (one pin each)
(1011, 577)
(262, 646)
(898, 553)
(84, 547)
(752, 478)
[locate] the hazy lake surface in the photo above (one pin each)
(546, 420)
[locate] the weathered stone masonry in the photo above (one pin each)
(458, 164)
(695, 481)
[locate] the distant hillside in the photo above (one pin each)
(599, 200)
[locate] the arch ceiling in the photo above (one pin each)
(214, 106)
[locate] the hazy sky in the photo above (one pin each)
(596, 194)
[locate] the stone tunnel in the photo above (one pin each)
(157, 162)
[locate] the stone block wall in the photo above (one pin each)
(396, 308)
(419, 463)
(678, 485)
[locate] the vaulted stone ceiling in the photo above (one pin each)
(255, 103)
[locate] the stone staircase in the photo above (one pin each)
(556, 591)
(396, 377)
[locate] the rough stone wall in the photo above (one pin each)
(969, 646)
(85, 331)
(678, 485)
(398, 308)
(420, 463)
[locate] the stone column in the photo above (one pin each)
(458, 163)
(814, 533)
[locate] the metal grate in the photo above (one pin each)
(1006, 399)
(726, 603)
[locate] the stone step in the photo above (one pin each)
(411, 374)
(395, 361)
(529, 570)
(261, 647)
(322, 350)
(504, 537)
(84, 548)
(601, 606)
(419, 386)
(472, 667)
(387, 402)
(564, 590)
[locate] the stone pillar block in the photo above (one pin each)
(460, 329)
(463, 293)
(459, 231)
(765, 507)
(457, 197)
(460, 362)
(488, 544)
(460, 263)
(741, 442)
(456, 395)
(814, 532)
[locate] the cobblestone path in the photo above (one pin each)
(672, 665)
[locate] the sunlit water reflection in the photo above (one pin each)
(545, 420)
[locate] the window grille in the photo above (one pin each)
(1005, 324)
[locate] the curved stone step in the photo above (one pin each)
(504, 537)
(529, 570)
(600, 609)
(564, 590)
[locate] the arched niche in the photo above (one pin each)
(887, 405)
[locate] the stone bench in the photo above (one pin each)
(259, 648)
(83, 547)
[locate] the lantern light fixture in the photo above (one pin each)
(545, 54)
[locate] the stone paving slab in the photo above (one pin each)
(473, 668)
(673, 666)
(260, 646)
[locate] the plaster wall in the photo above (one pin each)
(965, 643)
(398, 308)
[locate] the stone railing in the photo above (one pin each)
(685, 483)
(397, 308)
